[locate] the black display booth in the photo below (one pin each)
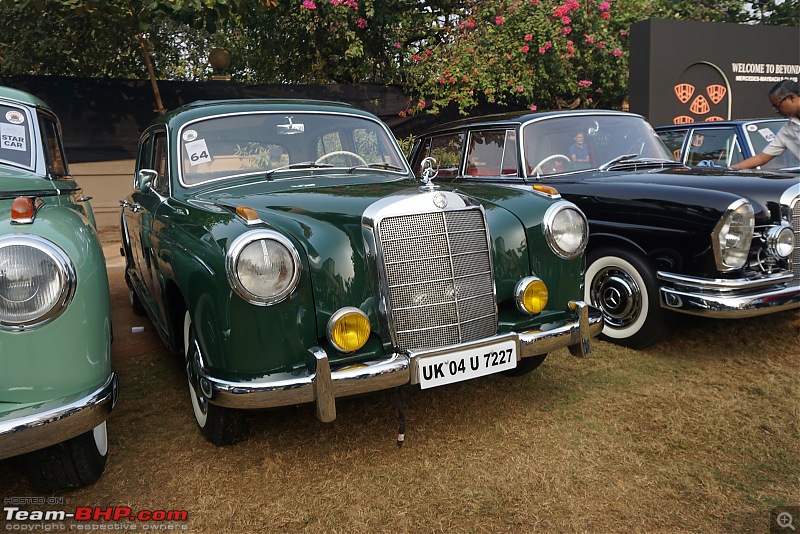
(688, 71)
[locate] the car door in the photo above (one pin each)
(139, 217)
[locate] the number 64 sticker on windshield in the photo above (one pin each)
(197, 152)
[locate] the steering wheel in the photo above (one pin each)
(538, 168)
(341, 153)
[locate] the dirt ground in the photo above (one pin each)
(697, 434)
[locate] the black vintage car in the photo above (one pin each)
(663, 237)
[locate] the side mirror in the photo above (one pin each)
(145, 178)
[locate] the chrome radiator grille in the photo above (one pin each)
(439, 275)
(796, 228)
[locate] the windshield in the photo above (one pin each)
(267, 144)
(577, 142)
(16, 139)
(760, 134)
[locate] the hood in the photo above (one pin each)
(326, 223)
(699, 188)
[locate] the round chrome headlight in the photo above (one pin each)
(733, 236)
(37, 280)
(566, 229)
(780, 241)
(263, 267)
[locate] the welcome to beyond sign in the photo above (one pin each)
(688, 71)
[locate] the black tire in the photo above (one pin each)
(525, 366)
(73, 463)
(623, 286)
(219, 425)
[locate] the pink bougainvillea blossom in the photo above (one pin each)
(499, 20)
(361, 22)
(605, 15)
(533, 107)
(308, 4)
(528, 37)
(584, 83)
(605, 6)
(397, 44)
(524, 49)
(566, 30)
(623, 32)
(565, 20)
(617, 52)
(520, 88)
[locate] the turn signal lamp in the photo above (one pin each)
(22, 210)
(531, 295)
(348, 329)
(546, 189)
(248, 214)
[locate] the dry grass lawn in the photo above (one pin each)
(698, 434)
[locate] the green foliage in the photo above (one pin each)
(524, 53)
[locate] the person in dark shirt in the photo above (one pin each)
(577, 151)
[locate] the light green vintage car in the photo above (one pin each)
(287, 251)
(56, 384)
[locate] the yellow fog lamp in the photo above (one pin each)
(348, 329)
(531, 295)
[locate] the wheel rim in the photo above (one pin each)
(618, 295)
(199, 403)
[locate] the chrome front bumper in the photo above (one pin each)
(38, 426)
(729, 298)
(322, 385)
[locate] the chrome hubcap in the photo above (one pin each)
(618, 295)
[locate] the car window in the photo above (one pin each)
(16, 140)
(254, 143)
(760, 134)
(159, 163)
(143, 158)
(447, 151)
(546, 143)
(674, 141)
(492, 153)
(53, 150)
(717, 145)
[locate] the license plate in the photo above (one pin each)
(466, 364)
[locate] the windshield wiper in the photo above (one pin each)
(374, 166)
(298, 165)
(619, 159)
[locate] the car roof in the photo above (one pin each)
(521, 117)
(205, 108)
(717, 124)
(15, 95)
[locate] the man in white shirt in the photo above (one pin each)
(785, 100)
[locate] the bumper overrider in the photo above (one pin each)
(322, 386)
(40, 425)
(729, 298)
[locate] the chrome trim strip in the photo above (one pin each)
(38, 426)
(323, 386)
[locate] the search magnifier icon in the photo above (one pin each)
(785, 520)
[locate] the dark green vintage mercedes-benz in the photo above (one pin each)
(286, 249)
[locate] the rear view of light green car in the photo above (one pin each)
(56, 384)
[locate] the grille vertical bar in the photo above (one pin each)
(796, 228)
(439, 274)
